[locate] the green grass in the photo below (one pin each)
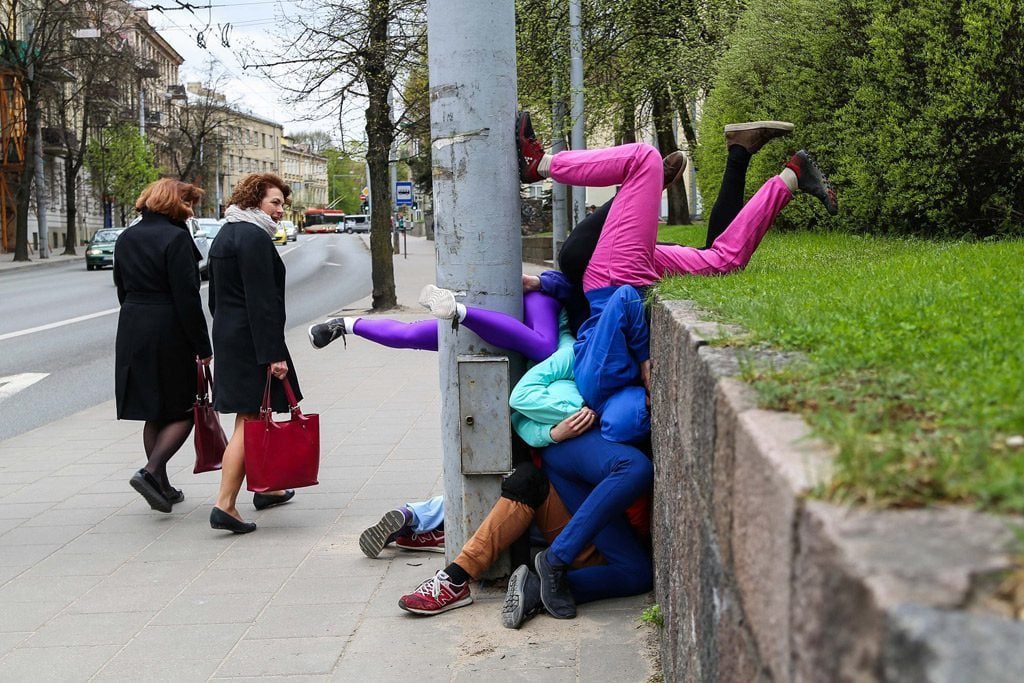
(915, 358)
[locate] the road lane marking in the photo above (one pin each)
(12, 384)
(62, 323)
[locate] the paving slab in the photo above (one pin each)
(96, 586)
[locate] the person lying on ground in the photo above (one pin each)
(413, 526)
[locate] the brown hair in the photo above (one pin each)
(170, 197)
(251, 189)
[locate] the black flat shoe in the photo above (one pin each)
(147, 486)
(262, 501)
(222, 520)
(174, 496)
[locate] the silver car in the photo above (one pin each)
(203, 232)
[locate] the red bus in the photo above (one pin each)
(324, 220)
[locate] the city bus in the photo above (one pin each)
(324, 220)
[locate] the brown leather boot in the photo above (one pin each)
(674, 165)
(753, 135)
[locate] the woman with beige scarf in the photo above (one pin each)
(247, 281)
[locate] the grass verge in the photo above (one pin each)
(915, 358)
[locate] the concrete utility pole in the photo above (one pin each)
(559, 219)
(472, 61)
(579, 194)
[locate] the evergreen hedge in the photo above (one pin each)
(914, 108)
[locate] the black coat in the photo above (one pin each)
(161, 328)
(247, 301)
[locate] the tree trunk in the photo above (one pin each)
(627, 124)
(27, 174)
(379, 136)
(678, 207)
(71, 201)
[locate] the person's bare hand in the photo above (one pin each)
(279, 369)
(206, 361)
(574, 425)
(531, 283)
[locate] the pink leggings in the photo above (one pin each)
(536, 336)
(626, 253)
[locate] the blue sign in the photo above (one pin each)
(403, 193)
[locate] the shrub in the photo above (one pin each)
(913, 107)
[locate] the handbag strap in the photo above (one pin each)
(204, 380)
(289, 394)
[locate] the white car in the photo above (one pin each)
(355, 223)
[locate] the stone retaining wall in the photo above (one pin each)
(537, 250)
(758, 582)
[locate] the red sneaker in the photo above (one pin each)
(435, 595)
(431, 542)
(530, 151)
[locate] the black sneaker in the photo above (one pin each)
(322, 334)
(811, 180)
(554, 589)
(522, 600)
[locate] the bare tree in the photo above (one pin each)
(98, 59)
(349, 53)
(199, 130)
(33, 39)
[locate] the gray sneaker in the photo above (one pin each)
(522, 600)
(322, 334)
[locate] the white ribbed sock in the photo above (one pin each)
(544, 167)
(460, 311)
(350, 323)
(789, 177)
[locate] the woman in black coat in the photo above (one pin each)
(247, 278)
(160, 331)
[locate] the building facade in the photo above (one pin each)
(306, 172)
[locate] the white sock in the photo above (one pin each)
(350, 323)
(544, 167)
(460, 311)
(789, 177)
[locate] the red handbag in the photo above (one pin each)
(281, 455)
(209, 436)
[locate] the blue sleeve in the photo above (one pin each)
(556, 285)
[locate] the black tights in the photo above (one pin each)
(730, 195)
(161, 441)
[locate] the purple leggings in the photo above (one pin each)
(536, 337)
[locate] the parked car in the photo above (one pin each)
(356, 223)
(203, 232)
(281, 236)
(291, 230)
(100, 250)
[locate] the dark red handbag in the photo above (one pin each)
(209, 435)
(281, 455)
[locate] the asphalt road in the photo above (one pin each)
(58, 323)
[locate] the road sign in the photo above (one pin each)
(403, 193)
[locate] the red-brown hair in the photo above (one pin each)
(170, 197)
(250, 190)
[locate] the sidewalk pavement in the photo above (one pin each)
(96, 586)
(56, 258)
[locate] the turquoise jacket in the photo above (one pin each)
(547, 393)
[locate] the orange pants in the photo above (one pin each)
(507, 521)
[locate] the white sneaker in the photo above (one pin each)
(441, 302)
